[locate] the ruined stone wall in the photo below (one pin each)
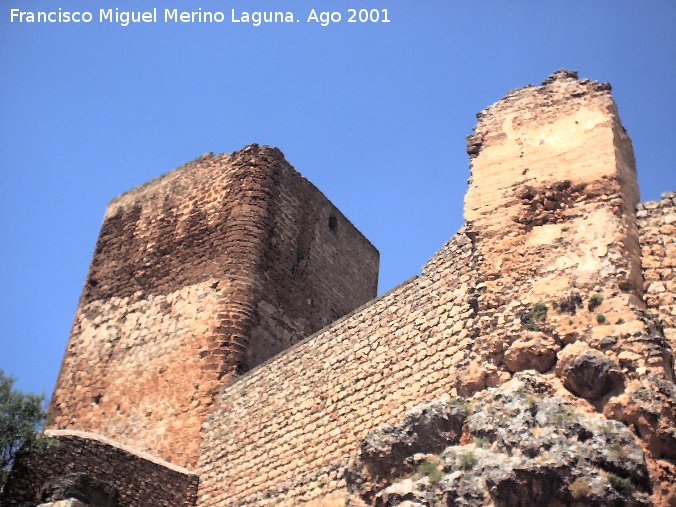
(657, 227)
(552, 198)
(198, 276)
(281, 434)
(98, 470)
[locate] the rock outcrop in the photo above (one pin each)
(525, 443)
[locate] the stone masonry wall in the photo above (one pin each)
(127, 476)
(657, 228)
(282, 433)
(196, 277)
(552, 197)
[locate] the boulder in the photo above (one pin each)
(80, 487)
(588, 373)
(534, 351)
(428, 428)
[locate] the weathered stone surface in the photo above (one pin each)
(198, 276)
(99, 472)
(535, 351)
(587, 372)
(426, 429)
(551, 203)
(649, 407)
(524, 445)
(657, 230)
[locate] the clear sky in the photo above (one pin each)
(375, 115)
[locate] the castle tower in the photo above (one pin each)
(197, 276)
(552, 201)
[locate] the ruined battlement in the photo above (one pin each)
(228, 324)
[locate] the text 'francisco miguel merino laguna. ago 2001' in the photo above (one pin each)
(152, 16)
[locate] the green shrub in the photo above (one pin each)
(467, 460)
(600, 318)
(594, 302)
(481, 442)
(619, 483)
(431, 470)
(540, 312)
(532, 403)
(561, 417)
(461, 403)
(531, 318)
(21, 417)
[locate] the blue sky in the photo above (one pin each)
(375, 115)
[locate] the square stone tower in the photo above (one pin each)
(197, 276)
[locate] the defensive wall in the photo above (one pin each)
(657, 225)
(100, 470)
(281, 435)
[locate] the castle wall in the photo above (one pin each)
(281, 434)
(196, 277)
(122, 474)
(657, 227)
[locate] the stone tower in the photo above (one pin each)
(552, 199)
(197, 276)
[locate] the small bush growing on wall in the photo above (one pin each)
(594, 302)
(531, 319)
(540, 312)
(430, 470)
(467, 460)
(619, 483)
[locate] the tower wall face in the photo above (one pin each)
(198, 276)
(552, 200)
